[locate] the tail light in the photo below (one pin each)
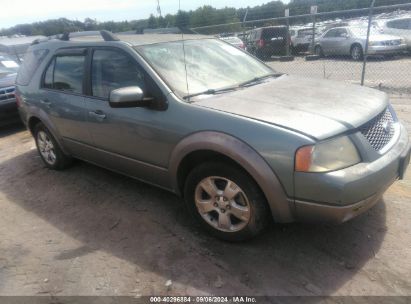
(242, 46)
(261, 43)
(18, 99)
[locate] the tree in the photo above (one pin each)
(152, 22)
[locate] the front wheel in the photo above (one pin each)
(226, 201)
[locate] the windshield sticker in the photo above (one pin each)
(9, 64)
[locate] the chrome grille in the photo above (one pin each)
(7, 93)
(379, 130)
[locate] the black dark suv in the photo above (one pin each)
(265, 42)
(8, 106)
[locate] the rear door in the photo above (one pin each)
(62, 96)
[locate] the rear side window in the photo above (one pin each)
(65, 73)
(31, 62)
(269, 33)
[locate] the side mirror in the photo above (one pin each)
(346, 36)
(128, 97)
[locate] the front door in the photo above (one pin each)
(130, 140)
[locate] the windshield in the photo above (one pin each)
(211, 65)
(362, 31)
(8, 65)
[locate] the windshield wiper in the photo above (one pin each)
(258, 79)
(210, 92)
(243, 84)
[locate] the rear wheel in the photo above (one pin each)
(226, 201)
(357, 52)
(49, 150)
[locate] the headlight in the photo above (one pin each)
(327, 156)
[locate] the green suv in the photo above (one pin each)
(243, 144)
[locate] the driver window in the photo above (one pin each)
(112, 70)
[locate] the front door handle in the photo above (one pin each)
(98, 115)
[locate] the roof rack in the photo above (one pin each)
(106, 35)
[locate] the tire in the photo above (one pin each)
(49, 150)
(356, 52)
(224, 214)
(318, 50)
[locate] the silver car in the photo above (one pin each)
(351, 41)
(399, 27)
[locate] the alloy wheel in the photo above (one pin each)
(222, 204)
(46, 148)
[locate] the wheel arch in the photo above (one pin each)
(208, 145)
(33, 120)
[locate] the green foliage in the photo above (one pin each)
(202, 16)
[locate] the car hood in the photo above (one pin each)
(316, 108)
(7, 80)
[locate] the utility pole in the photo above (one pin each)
(158, 8)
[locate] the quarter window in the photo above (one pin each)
(112, 70)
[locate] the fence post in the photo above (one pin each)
(364, 65)
(314, 10)
(287, 15)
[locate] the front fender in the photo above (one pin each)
(242, 154)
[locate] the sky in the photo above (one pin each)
(28, 11)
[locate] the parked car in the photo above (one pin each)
(351, 41)
(399, 27)
(240, 142)
(266, 42)
(301, 39)
(8, 106)
(237, 42)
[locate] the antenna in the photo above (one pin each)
(184, 52)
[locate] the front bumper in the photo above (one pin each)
(341, 195)
(387, 49)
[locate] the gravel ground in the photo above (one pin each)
(391, 75)
(87, 231)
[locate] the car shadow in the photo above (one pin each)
(150, 228)
(11, 129)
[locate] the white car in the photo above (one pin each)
(301, 39)
(398, 27)
(235, 41)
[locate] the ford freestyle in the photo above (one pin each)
(241, 143)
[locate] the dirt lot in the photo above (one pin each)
(87, 231)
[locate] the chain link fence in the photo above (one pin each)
(369, 46)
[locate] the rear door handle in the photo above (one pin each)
(98, 115)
